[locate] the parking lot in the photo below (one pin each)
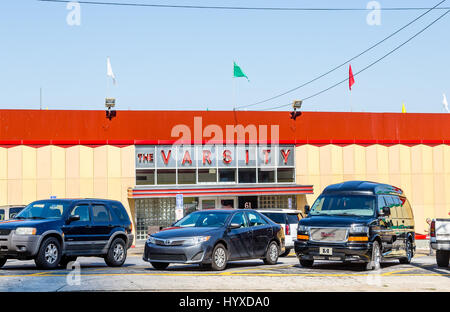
(251, 275)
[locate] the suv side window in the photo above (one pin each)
(239, 218)
(82, 211)
(120, 212)
(100, 213)
(255, 219)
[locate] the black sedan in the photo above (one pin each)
(214, 237)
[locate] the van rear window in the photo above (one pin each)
(276, 217)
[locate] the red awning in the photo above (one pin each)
(218, 190)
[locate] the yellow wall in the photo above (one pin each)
(28, 173)
(422, 172)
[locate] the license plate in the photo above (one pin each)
(325, 251)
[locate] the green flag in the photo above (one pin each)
(237, 71)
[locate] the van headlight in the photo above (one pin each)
(302, 228)
(26, 231)
(355, 228)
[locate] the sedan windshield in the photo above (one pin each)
(344, 205)
(43, 210)
(204, 219)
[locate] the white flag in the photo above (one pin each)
(109, 71)
(445, 103)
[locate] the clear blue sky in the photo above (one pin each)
(182, 59)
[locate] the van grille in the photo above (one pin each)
(329, 235)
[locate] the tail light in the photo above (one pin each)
(288, 229)
(433, 229)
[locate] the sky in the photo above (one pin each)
(182, 59)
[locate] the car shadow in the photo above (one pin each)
(28, 267)
(340, 266)
(247, 264)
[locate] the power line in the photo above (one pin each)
(368, 66)
(237, 7)
(343, 63)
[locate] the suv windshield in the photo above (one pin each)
(344, 205)
(43, 210)
(204, 219)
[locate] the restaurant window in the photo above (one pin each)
(144, 177)
(207, 175)
(187, 176)
(286, 175)
(266, 175)
(277, 201)
(152, 214)
(227, 175)
(167, 176)
(247, 175)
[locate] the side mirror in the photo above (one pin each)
(307, 208)
(73, 218)
(233, 226)
(386, 211)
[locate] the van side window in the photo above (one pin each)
(391, 204)
(407, 211)
(398, 206)
(381, 203)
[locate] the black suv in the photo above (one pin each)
(357, 221)
(56, 231)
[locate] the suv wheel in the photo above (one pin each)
(49, 254)
(160, 265)
(219, 258)
(65, 260)
(117, 253)
(442, 258)
(2, 262)
(272, 252)
(286, 253)
(375, 262)
(409, 253)
(306, 263)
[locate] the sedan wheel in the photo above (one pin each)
(272, 254)
(219, 258)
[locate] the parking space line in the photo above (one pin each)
(397, 271)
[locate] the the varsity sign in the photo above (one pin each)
(212, 156)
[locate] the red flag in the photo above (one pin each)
(351, 79)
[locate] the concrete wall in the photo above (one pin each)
(421, 171)
(28, 173)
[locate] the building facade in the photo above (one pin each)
(150, 159)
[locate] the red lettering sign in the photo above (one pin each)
(206, 156)
(266, 156)
(166, 159)
(227, 157)
(187, 157)
(285, 155)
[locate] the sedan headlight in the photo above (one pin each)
(302, 228)
(355, 228)
(195, 240)
(26, 231)
(151, 240)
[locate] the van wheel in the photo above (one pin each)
(375, 262)
(271, 256)
(65, 260)
(49, 254)
(442, 258)
(117, 253)
(409, 253)
(307, 263)
(2, 261)
(219, 258)
(160, 265)
(286, 253)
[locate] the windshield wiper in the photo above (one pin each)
(348, 214)
(20, 218)
(36, 218)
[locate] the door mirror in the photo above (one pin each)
(307, 208)
(386, 211)
(234, 226)
(73, 218)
